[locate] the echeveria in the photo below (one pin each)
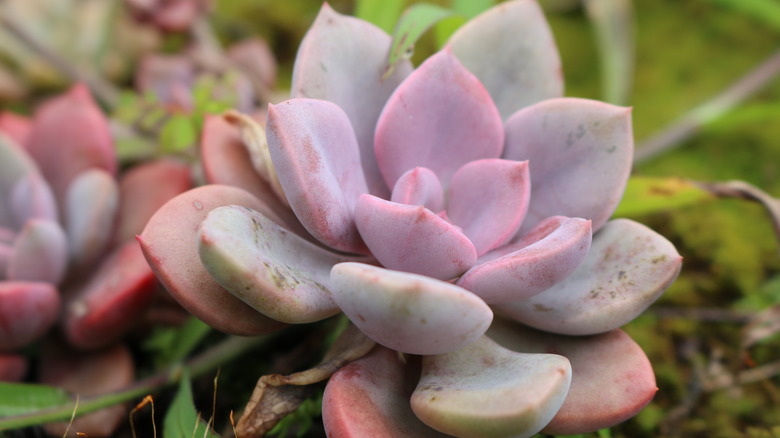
(430, 199)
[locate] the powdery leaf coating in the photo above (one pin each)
(488, 199)
(612, 379)
(170, 245)
(542, 258)
(14, 165)
(101, 311)
(317, 159)
(90, 214)
(276, 272)
(627, 269)
(411, 238)
(13, 367)
(343, 60)
(510, 48)
(88, 373)
(70, 134)
(40, 253)
(27, 311)
(580, 153)
(441, 118)
(31, 198)
(370, 398)
(484, 391)
(419, 186)
(143, 190)
(408, 312)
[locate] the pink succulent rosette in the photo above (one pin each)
(67, 226)
(425, 202)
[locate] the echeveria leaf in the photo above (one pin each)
(580, 153)
(485, 390)
(13, 368)
(612, 378)
(316, 157)
(370, 398)
(170, 244)
(343, 60)
(419, 186)
(522, 66)
(27, 311)
(40, 253)
(90, 208)
(276, 272)
(628, 268)
(441, 118)
(408, 312)
(14, 164)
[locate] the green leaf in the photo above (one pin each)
(178, 134)
(382, 13)
(23, 398)
(465, 10)
(171, 345)
(645, 195)
(182, 420)
(413, 23)
(767, 11)
(614, 24)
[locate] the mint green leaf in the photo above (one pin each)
(182, 420)
(645, 195)
(382, 13)
(178, 134)
(413, 23)
(23, 398)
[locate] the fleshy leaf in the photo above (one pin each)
(276, 272)
(170, 244)
(441, 118)
(612, 379)
(15, 127)
(419, 186)
(484, 390)
(488, 199)
(31, 198)
(143, 190)
(70, 135)
(13, 367)
(343, 59)
(27, 311)
(101, 311)
(226, 161)
(522, 65)
(14, 165)
(580, 153)
(317, 159)
(545, 256)
(370, 398)
(90, 214)
(88, 373)
(169, 78)
(628, 267)
(411, 238)
(40, 253)
(408, 312)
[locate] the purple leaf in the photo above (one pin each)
(408, 312)
(40, 253)
(170, 245)
(413, 239)
(441, 118)
(31, 198)
(317, 159)
(343, 59)
(14, 165)
(370, 398)
(510, 48)
(580, 157)
(276, 272)
(612, 379)
(90, 215)
(488, 199)
(419, 186)
(27, 311)
(628, 267)
(545, 256)
(485, 390)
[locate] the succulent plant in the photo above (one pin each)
(67, 248)
(422, 202)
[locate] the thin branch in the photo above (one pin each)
(687, 125)
(103, 90)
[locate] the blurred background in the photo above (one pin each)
(701, 76)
